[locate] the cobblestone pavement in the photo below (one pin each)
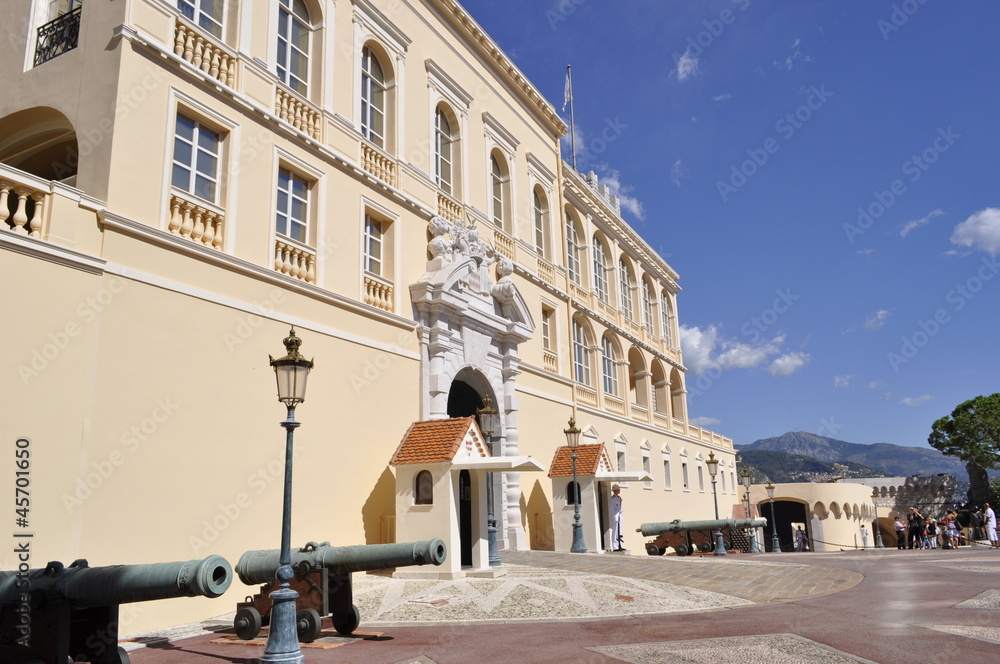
(871, 606)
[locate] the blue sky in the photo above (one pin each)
(824, 177)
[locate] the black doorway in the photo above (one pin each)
(600, 514)
(463, 401)
(786, 513)
(465, 516)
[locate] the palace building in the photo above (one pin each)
(183, 181)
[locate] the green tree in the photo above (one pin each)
(972, 433)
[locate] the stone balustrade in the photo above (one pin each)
(580, 294)
(204, 53)
(378, 293)
(585, 395)
(660, 420)
(297, 112)
(614, 405)
(449, 208)
(378, 163)
(550, 361)
(503, 243)
(198, 222)
(546, 271)
(21, 207)
(295, 261)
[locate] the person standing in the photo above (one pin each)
(990, 519)
(800, 539)
(617, 539)
(864, 536)
(915, 528)
(900, 533)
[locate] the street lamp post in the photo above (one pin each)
(291, 372)
(745, 481)
(573, 441)
(878, 530)
(713, 469)
(489, 422)
(775, 542)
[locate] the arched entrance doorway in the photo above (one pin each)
(786, 512)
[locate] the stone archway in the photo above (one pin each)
(786, 512)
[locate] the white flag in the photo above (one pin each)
(568, 91)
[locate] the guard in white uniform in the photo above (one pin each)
(617, 539)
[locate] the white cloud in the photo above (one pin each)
(980, 231)
(789, 63)
(612, 179)
(687, 66)
(915, 401)
(876, 385)
(865, 252)
(723, 97)
(788, 364)
(842, 382)
(877, 319)
(917, 223)
(677, 172)
(706, 349)
(704, 421)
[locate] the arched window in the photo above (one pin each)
(423, 488)
(609, 366)
(625, 286)
(600, 271)
(647, 306)
(499, 182)
(293, 45)
(572, 250)
(539, 211)
(667, 316)
(372, 98)
(572, 493)
(581, 354)
(443, 140)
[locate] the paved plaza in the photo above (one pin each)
(883, 606)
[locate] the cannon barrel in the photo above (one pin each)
(86, 586)
(650, 529)
(260, 566)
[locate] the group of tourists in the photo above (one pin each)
(920, 532)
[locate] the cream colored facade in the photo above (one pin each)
(831, 514)
(177, 189)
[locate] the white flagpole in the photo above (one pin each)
(572, 119)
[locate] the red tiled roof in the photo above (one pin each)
(588, 459)
(433, 441)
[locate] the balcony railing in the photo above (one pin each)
(614, 405)
(21, 208)
(204, 53)
(503, 243)
(299, 113)
(550, 361)
(198, 222)
(378, 292)
(378, 163)
(585, 395)
(449, 208)
(295, 261)
(58, 36)
(546, 271)
(660, 420)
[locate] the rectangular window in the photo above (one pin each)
(647, 307)
(547, 328)
(61, 33)
(572, 251)
(684, 476)
(206, 13)
(667, 484)
(647, 468)
(373, 246)
(621, 460)
(292, 219)
(581, 359)
(196, 159)
(701, 479)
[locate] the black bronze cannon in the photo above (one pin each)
(686, 536)
(58, 612)
(323, 581)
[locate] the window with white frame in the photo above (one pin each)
(723, 476)
(499, 179)
(701, 477)
(206, 13)
(294, 28)
(374, 247)
(684, 476)
(197, 150)
(539, 211)
(647, 306)
(667, 480)
(292, 217)
(572, 250)
(600, 271)
(547, 315)
(647, 468)
(625, 286)
(581, 354)
(373, 96)
(443, 143)
(667, 315)
(609, 366)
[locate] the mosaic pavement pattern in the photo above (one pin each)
(766, 649)
(987, 600)
(990, 634)
(525, 593)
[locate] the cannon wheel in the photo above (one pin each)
(729, 545)
(123, 656)
(652, 549)
(682, 549)
(309, 625)
(247, 623)
(705, 547)
(347, 622)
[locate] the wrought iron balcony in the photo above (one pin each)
(58, 36)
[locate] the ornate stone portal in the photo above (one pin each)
(471, 324)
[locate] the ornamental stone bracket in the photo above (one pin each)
(470, 325)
